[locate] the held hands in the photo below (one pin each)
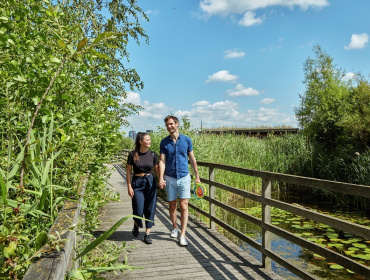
(162, 184)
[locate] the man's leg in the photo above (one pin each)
(173, 212)
(184, 215)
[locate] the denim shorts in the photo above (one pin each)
(178, 187)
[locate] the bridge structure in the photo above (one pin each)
(209, 255)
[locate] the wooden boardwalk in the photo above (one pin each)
(209, 255)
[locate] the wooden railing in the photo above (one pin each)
(118, 156)
(265, 223)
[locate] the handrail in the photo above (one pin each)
(265, 223)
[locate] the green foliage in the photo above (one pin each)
(62, 80)
(334, 112)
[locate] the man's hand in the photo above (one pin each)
(162, 184)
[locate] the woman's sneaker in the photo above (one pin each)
(135, 231)
(147, 239)
(183, 241)
(174, 233)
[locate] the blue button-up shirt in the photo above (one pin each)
(176, 155)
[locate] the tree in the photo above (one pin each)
(333, 111)
(322, 103)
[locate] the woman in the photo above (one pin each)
(142, 187)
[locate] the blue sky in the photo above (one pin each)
(239, 63)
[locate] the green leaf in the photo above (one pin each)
(59, 115)
(105, 235)
(2, 30)
(100, 37)
(4, 19)
(45, 174)
(16, 165)
(65, 138)
(20, 78)
(100, 55)
(76, 274)
(77, 26)
(4, 190)
(35, 100)
(62, 44)
(41, 239)
(10, 41)
(336, 266)
(81, 44)
(55, 59)
(51, 10)
(71, 49)
(9, 251)
(110, 25)
(14, 63)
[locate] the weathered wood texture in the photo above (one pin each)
(54, 264)
(208, 256)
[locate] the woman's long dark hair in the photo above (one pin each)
(139, 137)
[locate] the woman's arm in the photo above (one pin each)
(128, 179)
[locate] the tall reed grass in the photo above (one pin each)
(290, 154)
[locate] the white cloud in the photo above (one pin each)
(132, 97)
(154, 12)
(349, 76)
(201, 103)
(222, 76)
(240, 90)
(250, 19)
(150, 117)
(358, 41)
(233, 54)
(266, 101)
(219, 114)
(225, 7)
(227, 113)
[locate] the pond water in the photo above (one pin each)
(295, 255)
(318, 233)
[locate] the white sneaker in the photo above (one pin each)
(174, 233)
(183, 241)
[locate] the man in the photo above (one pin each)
(174, 174)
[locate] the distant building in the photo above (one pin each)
(149, 131)
(132, 134)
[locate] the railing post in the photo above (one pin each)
(212, 207)
(266, 219)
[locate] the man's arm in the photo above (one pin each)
(162, 165)
(194, 165)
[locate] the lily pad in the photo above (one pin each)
(358, 245)
(336, 266)
(353, 249)
(318, 257)
(362, 256)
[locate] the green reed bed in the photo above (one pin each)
(291, 154)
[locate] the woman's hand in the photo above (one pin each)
(130, 192)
